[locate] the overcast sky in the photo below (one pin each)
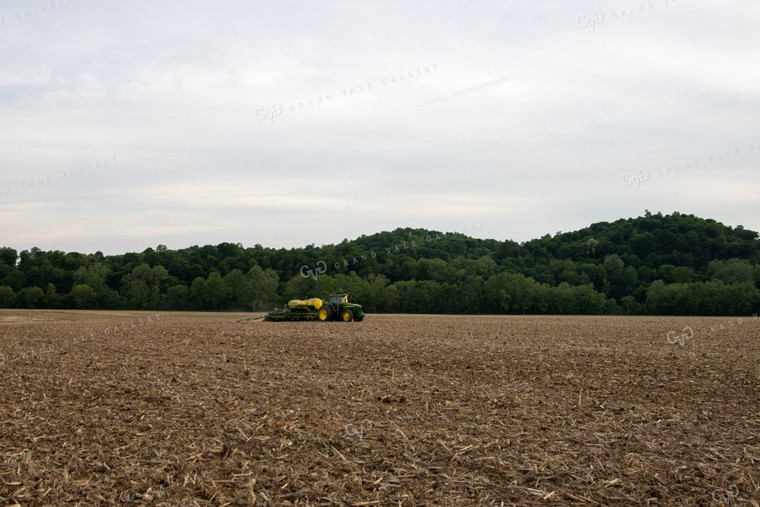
(291, 123)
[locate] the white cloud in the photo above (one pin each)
(527, 123)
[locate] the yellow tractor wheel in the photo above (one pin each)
(324, 313)
(346, 316)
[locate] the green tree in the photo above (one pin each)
(656, 301)
(8, 274)
(8, 256)
(34, 297)
(239, 289)
(263, 284)
(143, 286)
(615, 271)
(631, 306)
(178, 297)
(352, 284)
(732, 271)
(422, 296)
(507, 249)
(96, 275)
(743, 298)
(377, 296)
(590, 302)
(562, 300)
(682, 274)
(464, 297)
(198, 293)
(704, 267)
(83, 296)
(217, 294)
(52, 300)
(510, 293)
(591, 246)
(403, 295)
(666, 273)
(7, 297)
(432, 269)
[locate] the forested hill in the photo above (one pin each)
(655, 264)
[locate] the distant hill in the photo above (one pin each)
(654, 264)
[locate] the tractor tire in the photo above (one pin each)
(324, 313)
(346, 316)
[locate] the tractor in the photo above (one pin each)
(338, 308)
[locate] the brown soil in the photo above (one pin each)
(197, 409)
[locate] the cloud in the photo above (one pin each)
(528, 122)
(470, 89)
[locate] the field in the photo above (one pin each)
(196, 409)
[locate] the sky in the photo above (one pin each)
(125, 125)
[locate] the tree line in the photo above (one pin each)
(650, 265)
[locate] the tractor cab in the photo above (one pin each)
(339, 299)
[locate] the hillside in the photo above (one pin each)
(674, 264)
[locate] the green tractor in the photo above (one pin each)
(338, 308)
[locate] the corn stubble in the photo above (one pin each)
(197, 409)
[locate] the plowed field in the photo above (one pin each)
(100, 408)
